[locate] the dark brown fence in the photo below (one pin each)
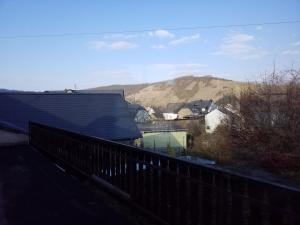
(176, 191)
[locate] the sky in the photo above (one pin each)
(57, 44)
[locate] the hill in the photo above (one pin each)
(182, 89)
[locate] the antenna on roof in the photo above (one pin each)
(75, 87)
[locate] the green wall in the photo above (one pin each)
(176, 139)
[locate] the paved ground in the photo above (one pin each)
(33, 191)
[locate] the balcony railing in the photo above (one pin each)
(173, 190)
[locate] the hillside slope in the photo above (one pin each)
(182, 89)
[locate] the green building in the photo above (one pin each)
(161, 135)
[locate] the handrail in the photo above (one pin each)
(175, 190)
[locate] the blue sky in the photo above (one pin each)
(56, 62)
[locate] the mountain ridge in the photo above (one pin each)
(179, 90)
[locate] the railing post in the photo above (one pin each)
(130, 176)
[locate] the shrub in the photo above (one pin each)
(270, 120)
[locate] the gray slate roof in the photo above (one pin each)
(134, 108)
(99, 115)
(87, 91)
(196, 106)
(173, 107)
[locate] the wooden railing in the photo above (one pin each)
(174, 190)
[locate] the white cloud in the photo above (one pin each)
(159, 46)
(239, 38)
(293, 50)
(185, 40)
(122, 45)
(240, 46)
(296, 44)
(99, 44)
(112, 45)
(161, 34)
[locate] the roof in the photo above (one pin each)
(67, 91)
(134, 108)
(185, 111)
(229, 100)
(160, 126)
(197, 106)
(173, 107)
(228, 111)
(158, 114)
(87, 91)
(99, 115)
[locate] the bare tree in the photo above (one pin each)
(270, 117)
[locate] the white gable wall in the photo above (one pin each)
(213, 120)
(170, 116)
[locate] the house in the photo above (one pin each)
(150, 110)
(227, 100)
(161, 135)
(152, 113)
(170, 116)
(196, 108)
(199, 107)
(142, 116)
(184, 113)
(216, 117)
(88, 91)
(139, 113)
(213, 119)
(170, 111)
(104, 91)
(103, 115)
(173, 107)
(158, 114)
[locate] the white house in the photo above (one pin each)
(142, 116)
(213, 119)
(150, 110)
(139, 113)
(170, 116)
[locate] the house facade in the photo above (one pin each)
(139, 113)
(213, 119)
(170, 116)
(161, 140)
(196, 109)
(142, 116)
(184, 113)
(162, 135)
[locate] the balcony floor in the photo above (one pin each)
(34, 191)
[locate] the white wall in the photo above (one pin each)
(213, 119)
(170, 116)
